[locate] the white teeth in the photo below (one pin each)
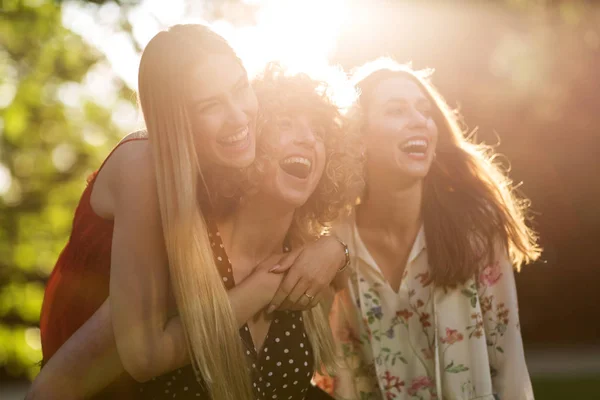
(235, 138)
(415, 142)
(299, 160)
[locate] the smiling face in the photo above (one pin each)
(298, 154)
(223, 111)
(400, 133)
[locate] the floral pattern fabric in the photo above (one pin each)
(425, 342)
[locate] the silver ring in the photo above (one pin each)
(309, 296)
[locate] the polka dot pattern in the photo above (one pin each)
(282, 369)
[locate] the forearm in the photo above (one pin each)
(252, 295)
(84, 365)
(171, 352)
(247, 299)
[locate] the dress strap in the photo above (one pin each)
(137, 135)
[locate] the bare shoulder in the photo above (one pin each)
(128, 174)
(140, 134)
(129, 164)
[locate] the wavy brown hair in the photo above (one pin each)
(469, 203)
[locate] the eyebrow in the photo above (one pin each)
(242, 79)
(420, 100)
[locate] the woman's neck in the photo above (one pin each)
(256, 229)
(391, 208)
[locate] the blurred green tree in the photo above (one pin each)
(57, 122)
(61, 111)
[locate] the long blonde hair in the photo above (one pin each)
(210, 326)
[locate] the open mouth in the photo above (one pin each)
(237, 139)
(415, 147)
(296, 166)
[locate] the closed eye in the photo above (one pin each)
(284, 123)
(424, 107)
(207, 107)
(243, 84)
(426, 112)
(395, 111)
(318, 130)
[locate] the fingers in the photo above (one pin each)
(306, 303)
(286, 262)
(303, 294)
(269, 262)
(315, 301)
(297, 295)
(282, 293)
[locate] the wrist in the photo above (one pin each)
(266, 284)
(345, 261)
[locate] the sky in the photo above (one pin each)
(301, 34)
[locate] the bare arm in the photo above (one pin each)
(89, 361)
(312, 270)
(149, 341)
(84, 365)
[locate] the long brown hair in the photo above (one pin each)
(469, 203)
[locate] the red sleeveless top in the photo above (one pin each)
(79, 282)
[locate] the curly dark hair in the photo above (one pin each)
(285, 95)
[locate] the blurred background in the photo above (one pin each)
(524, 73)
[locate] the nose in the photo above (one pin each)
(236, 116)
(305, 134)
(417, 119)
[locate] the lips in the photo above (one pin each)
(296, 166)
(237, 139)
(415, 146)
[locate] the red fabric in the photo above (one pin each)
(79, 282)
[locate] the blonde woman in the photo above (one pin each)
(305, 164)
(430, 310)
(140, 222)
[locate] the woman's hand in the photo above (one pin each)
(310, 271)
(269, 282)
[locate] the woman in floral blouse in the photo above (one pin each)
(429, 309)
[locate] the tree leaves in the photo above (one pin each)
(44, 149)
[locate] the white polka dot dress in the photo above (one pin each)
(282, 369)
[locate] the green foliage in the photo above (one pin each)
(46, 122)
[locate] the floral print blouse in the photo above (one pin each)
(425, 342)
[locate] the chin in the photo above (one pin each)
(244, 162)
(416, 176)
(411, 176)
(296, 203)
(294, 200)
(415, 170)
(240, 161)
(240, 157)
